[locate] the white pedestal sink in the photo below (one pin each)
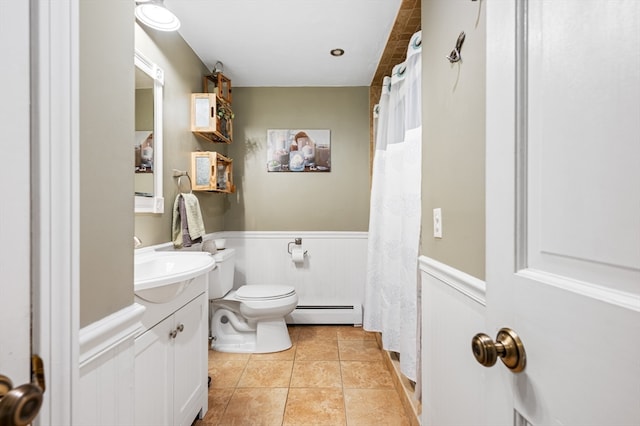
(161, 276)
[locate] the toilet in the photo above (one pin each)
(251, 318)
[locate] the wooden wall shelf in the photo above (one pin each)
(211, 171)
(219, 84)
(211, 118)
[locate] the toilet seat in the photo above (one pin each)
(264, 292)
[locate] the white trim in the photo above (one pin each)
(153, 204)
(107, 333)
(466, 284)
(54, 30)
(521, 137)
(292, 234)
(265, 235)
(607, 295)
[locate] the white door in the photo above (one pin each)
(563, 209)
(38, 212)
(15, 258)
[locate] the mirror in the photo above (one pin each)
(148, 136)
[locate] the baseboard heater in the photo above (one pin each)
(319, 314)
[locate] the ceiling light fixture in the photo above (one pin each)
(154, 15)
(337, 52)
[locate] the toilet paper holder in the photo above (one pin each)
(298, 242)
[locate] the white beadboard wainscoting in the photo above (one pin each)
(453, 311)
(106, 364)
(330, 282)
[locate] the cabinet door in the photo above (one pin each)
(154, 376)
(202, 171)
(190, 352)
(203, 112)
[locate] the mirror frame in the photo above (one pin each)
(153, 204)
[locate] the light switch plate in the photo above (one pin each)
(437, 223)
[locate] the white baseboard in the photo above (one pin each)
(348, 314)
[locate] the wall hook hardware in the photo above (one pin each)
(455, 56)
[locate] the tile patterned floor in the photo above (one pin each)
(333, 375)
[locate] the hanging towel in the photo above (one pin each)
(194, 216)
(184, 225)
(187, 227)
(176, 224)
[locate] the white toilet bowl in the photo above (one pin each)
(251, 318)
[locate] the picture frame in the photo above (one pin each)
(299, 150)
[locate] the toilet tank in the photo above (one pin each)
(221, 277)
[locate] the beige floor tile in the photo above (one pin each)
(294, 332)
(321, 350)
(316, 333)
(316, 374)
(223, 356)
(374, 407)
(347, 332)
(366, 375)
(287, 355)
(218, 400)
(333, 375)
(260, 373)
(255, 406)
(314, 406)
(359, 350)
(226, 373)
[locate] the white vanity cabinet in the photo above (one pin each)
(171, 372)
(190, 355)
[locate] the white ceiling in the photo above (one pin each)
(268, 43)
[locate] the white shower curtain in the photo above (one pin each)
(391, 291)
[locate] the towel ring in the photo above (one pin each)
(180, 183)
(179, 174)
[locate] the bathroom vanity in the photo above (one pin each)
(171, 355)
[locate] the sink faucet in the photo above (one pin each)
(136, 242)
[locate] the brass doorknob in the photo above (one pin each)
(20, 405)
(507, 346)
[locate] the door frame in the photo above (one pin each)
(54, 32)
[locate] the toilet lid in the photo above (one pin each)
(264, 292)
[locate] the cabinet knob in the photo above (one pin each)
(180, 327)
(173, 334)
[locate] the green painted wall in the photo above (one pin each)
(270, 201)
(453, 117)
(106, 158)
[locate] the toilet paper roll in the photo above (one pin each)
(297, 254)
